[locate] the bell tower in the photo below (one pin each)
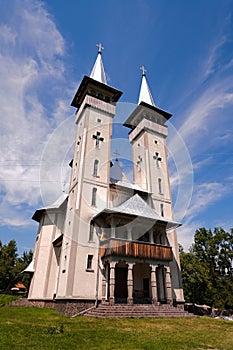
(149, 152)
(150, 166)
(95, 102)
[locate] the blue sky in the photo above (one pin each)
(45, 49)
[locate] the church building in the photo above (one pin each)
(110, 241)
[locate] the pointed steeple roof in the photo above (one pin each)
(145, 94)
(117, 174)
(98, 72)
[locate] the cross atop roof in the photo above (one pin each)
(100, 47)
(143, 69)
(116, 154)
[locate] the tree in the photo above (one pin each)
(7, 264)
(11, 266)
(207, 268)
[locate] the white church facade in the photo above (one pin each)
(110, 241)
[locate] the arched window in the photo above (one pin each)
(91, 231)
(160, 185)
(93, 199)
(96, 166)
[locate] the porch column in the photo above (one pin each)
(154, 285)
(112, 283)
(130, 284)
(129, 232)
(113, 228)
(104, 286)
(151, 235)
(168, 285)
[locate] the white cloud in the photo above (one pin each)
(202, 112)
(204, 126)
(31, 61)
(185, 233)
(209, 66)
(206, 194)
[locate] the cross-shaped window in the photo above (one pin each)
(97, 139)
(157, 159)
(139, 161)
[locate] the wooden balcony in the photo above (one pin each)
(132, 249)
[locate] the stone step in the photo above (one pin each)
(137, 311)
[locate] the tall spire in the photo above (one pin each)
(98, 72)
(145, 94)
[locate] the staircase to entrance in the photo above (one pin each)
(137, 311)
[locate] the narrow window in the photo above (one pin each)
(160, 185)
(89, 262)
(95, 169)
(93, 200)
(161, 209)
(91, 231)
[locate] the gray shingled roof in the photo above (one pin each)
(55, 205)
(136, 206)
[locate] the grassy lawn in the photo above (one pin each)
(42, 329)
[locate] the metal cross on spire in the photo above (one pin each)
(100, 47)
(143, 69)
(116, 154)
(97, 72)
(145, 94)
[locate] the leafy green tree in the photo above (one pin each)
(12, 265)
(207, 268)
(8, 255)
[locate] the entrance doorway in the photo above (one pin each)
(121, 290)
(141, 283)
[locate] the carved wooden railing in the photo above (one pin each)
(132, 249)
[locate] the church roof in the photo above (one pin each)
(119, 178)
(30, 268)
(136, 206)
(98, 72)
(117, 173)
(146, 107)
(96, 80)
(54, 206)
(145, 94)
(137, 115)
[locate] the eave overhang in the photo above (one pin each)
(142, 107)
(170, 224)
(55, 207)
(87, 83)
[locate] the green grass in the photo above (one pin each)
(6, 299)
(42, 329)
